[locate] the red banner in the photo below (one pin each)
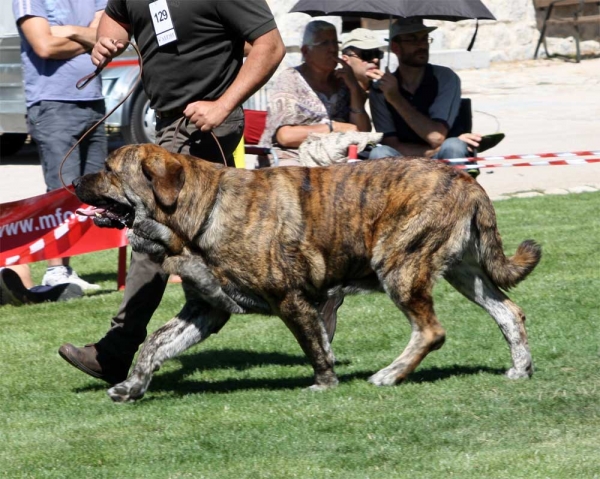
(46, 227)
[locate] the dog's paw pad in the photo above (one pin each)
(383, 378)
(319, 387)
(117, 396)
(122, 393)
(513, 373)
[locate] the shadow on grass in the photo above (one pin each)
(177, 382)
(238, 359)
(99, 277)
(431, 375)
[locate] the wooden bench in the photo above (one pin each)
(566, 12)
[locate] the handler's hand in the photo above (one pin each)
(471, 139)
(105, 50)
(206, 115)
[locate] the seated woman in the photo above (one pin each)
(314, 97)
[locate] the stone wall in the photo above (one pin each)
(513, 36)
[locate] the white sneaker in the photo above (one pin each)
(65, 274)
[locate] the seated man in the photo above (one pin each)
(416, 107)
(362, 51)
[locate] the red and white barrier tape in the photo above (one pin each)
(572, 162)
(529, 156)
(566, 154)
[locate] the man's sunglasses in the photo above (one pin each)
(366, 55)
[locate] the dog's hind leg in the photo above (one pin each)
(303, 320)
(194, 323)
(470, 280)
(409, 286)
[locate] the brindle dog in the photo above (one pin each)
(281, 241)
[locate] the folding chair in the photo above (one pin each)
(253, 130)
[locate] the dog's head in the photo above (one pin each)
(136, 178)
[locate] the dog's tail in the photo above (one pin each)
(505, 272)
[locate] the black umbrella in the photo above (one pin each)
(450, 10)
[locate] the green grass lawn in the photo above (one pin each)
(236, 405)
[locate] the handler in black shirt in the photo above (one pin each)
(192, 53)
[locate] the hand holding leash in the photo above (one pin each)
(206, 115)
(83, 82)
(105, 50)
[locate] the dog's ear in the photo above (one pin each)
(166, 175)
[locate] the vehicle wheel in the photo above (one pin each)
(142, 122)
(11, 143)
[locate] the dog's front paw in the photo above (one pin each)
(318, 387)
(514, 373)
(385, 377)
(127, 391)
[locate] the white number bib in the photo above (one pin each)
(163, 25)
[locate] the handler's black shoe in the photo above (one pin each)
(13, 291)
(93, 362)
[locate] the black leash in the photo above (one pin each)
(82, 83)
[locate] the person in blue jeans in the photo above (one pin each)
(416, 107)
(56, 39)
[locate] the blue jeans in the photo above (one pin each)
(56, 126)
(451, 148)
